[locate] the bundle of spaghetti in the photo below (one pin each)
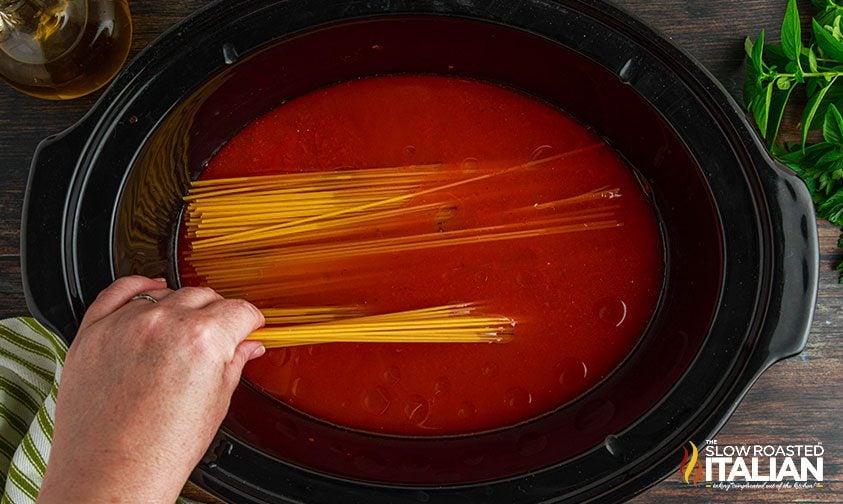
(272, 265)
(307, 314)
(216, 207)
(288, 226)
(264, 237)
(440, 324)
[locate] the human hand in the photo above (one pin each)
(143, 390)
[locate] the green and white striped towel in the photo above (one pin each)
(31, 359)
(30, 367)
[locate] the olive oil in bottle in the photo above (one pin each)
(62, 49)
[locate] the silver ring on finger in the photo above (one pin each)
(144, 296)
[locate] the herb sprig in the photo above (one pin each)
(775, 71)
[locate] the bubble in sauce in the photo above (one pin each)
(612, 311)
(416, 409)
(376, 401)
(542, 151)
(517, 398)
(572, 372)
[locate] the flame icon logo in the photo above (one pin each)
(689, 463)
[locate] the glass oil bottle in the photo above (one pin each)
(63, 49)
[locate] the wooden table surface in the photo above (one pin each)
(798, 401)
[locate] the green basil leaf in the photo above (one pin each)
(812, 86)
(757, 55)
(830, 46)
(778, 150)
(827, 160)
(818, 150)
(830, 12)
(794, 68)
(799, 74)
(813, 156)
(761, 109)
(804, 161)
(833, 126)
(760, 114)
(751, 86)
(826, 16)
(832, 208)
(809, 183)
(792, 158)
(791, 32)
(826, 184)
(776, 113)
(812, 60)
(774, 56)
(811, 109)
(833, 95)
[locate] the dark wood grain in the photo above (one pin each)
(798, 400)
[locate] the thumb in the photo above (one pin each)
(245, 351)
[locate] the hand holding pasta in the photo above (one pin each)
(144, 388)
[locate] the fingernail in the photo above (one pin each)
(257, 352)
(159, 279)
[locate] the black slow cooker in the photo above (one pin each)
(103, 200)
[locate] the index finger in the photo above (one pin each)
(237, 317)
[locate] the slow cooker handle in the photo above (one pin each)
(45, 282)
(795, 266)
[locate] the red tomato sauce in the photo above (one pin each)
(581, 300)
